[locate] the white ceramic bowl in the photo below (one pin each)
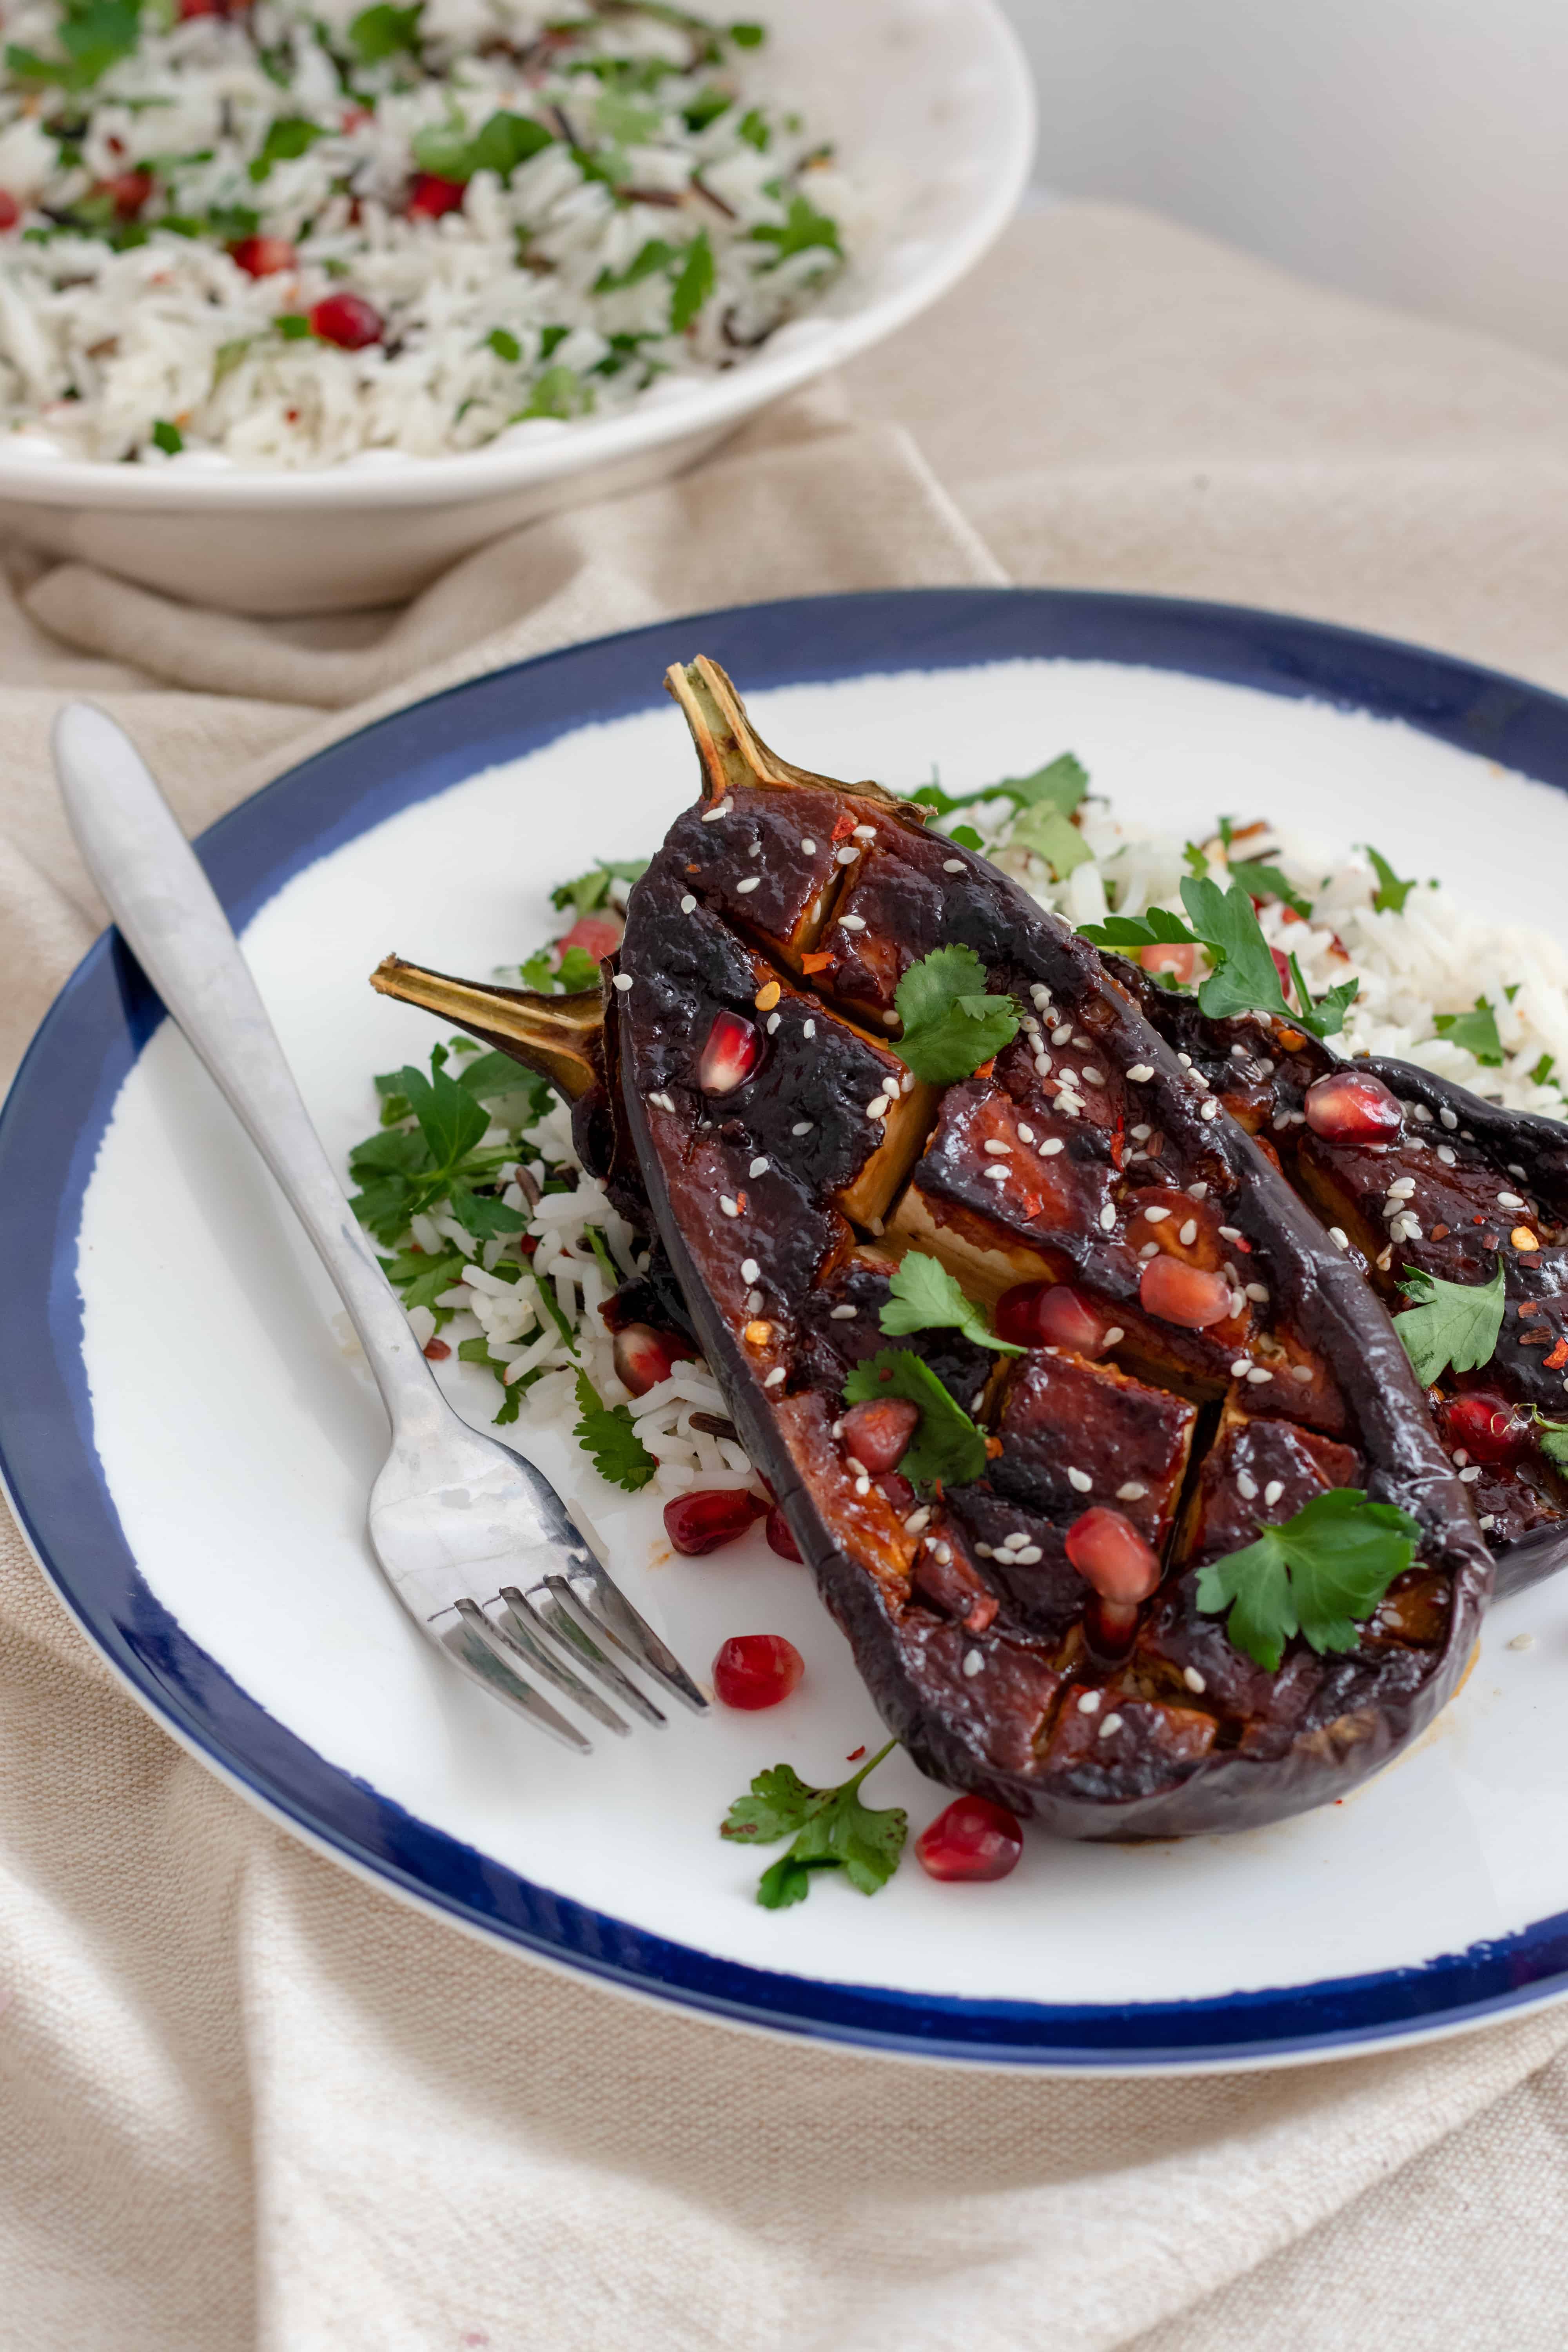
(932, 98)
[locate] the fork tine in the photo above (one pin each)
(482, 1666)
(522, 1648)
(551, 1618)
(607, 1609)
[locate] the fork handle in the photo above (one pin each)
(169, 915)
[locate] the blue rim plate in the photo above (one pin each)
(58, 1107)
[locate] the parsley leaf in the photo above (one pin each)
(590, 891)
(1245, 978)
(653, 256)
(1476, 1031)
(694, 284)
(501, 143)
(951, 1025)
(1060, 784)
(383, 32)
(946, 1445)
(831, 1830)
(94, 36)
(1451, 1323)
(1390, 892)
(803, 228)
(925, 1298)
(450, 1118)
(1054, 837)
(1321, 1574)
(610, 1436)
(1263, 881)
(286, 139)
(1553, 1440)
(167, 437)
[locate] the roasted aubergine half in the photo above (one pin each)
(1104, 1456)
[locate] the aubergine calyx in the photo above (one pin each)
(561, 1037)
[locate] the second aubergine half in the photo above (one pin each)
(1213, 1359)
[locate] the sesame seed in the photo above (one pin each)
(1197, 1192)
(1088, 1703)
(852, 922)
(863, 1484)
(1185, 1060)
(1049, 1149)
(1403, 1186)
(1302, 1372)
(847, 855)
(801, 1127)
(1467, 1478)
(687, 903)
(1025, 1135)
(758, 1166)
(1132, 1490)
(1015, 1541)
(1519, 1640)
(1149, 1250)
(844, 1314)
(996, 1175)
(997, 1150)
(1384, 1260)
(973, 1663)
(1112, 1723)
(1230, 1233)
(808, 1028)
(1140, 1071)
(889, 1020)
(753, 1301)
(1247, 1485)
(1509, 1201)
(1240, 1368)
(1238, 1053)
(1258, 1376)
(1112, 1334)
(906, 1083)
(776, 1378)
(1062, 1036)
(1094, 1077)
(712, 815)
(1448, 1155)
(623, 980)
(953, 865)
(1107, 1218)
(918, 1521)
(1338, 1237)
(1208, 1110)
(752, 882)
(1042, 1065)
(1030, 1556)
(1257, 1292)
(1447, 1117)
(1155, 1216)
(1188, 1233)
(663, 1101)
(750, 1270)
(1485, 1519)
(730, 1208)
(1140, 1134)
(1192, 1679)
(773, 1020)
(878, 1106)
(1080, 1480)
(1272, 1492)
(986, 1551)
(1514, 1169)
(865, 833)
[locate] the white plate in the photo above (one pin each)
(194, 1462)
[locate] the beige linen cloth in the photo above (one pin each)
(245, 2100)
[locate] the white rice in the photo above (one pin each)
(123, 339)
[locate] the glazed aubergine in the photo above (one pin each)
(1193, 1358)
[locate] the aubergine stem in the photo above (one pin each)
(731, 752)
(561, 1038)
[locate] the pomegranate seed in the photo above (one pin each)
(878, 1434)
(754, 1670)
(436, 1350)
(597, 935)
(348, 320)
(1184, 1293)
(973, 1839)
(10, 210)
(730, 1055)
(780, 1538)
(1485, 1426)
(898, 1491)
(1174, 959)
(432, 196)
(263, 257)
(1108, 1553)
(701, 1522)
(1051, 1315)
(1353, 1106)
(189, 8)
(129, 193)
(643, 1357)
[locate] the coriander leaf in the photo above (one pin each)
(167, 437)
(590, 891)
(1542, 1072)
(610, 1437)
(653, 256)
(422, 1279)
(1476, 1031)
(577, 970)
(965, 836)
(505, 345)
(1553, 1440)
(501, 143)
(450, 1118)
(803, 228)
(384, 1207)
(1158, 928)
(1451, 1324)
(1390, 892)
(553, 1308)
(483, 1217)
(498, 1074)
(1245, 978)
(694, 284)
(951, 1025)
(383, 32)
(1321, 1574)
(748, 36)
(286, 139)
(946, 1445)
(1060, 784)
(1054, 838)
(832, 1830)
(925, 1298)
(1261, 881)
(392, 1152)
(559, 392)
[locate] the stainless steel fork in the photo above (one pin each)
(473, 1539)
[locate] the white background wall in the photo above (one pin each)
(1415, 150)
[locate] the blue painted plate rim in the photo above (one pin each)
(59, 1103)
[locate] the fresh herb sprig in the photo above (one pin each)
(403, 1172)
(1060, 784)
(1476, 1031)
(1319, 1574)
(1389, 897)
(586, 893)
(1452, 1325)
(608, 1435)
(830, 1828)
(946, 1445)
(951, 1025)
(925, 1298)
(1245, 978)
